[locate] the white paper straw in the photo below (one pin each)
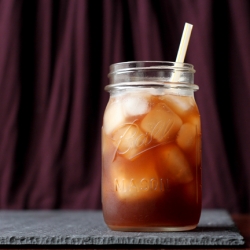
(182, 48)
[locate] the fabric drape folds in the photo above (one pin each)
(54, 61)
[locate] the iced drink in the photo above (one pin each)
(151, 152)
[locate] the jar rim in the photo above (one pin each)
(141, 84)
(123, 67)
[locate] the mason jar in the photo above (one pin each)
(151, 148)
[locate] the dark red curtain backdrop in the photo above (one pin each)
(54, 61)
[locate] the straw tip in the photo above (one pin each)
(189, 25)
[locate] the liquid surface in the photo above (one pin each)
(151, 149)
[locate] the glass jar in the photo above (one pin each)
(151, 148)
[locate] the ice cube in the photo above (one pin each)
(135, 180)
(136, 103)
(186, 137)
(156, 91)
(129, 140)
(173, 161)
(108, 150)
(113, 117)
(181, 105)
(195, 120)
(161, 123)
(195, 156)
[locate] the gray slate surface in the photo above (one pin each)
(88, 228)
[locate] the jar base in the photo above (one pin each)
(151, 229)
